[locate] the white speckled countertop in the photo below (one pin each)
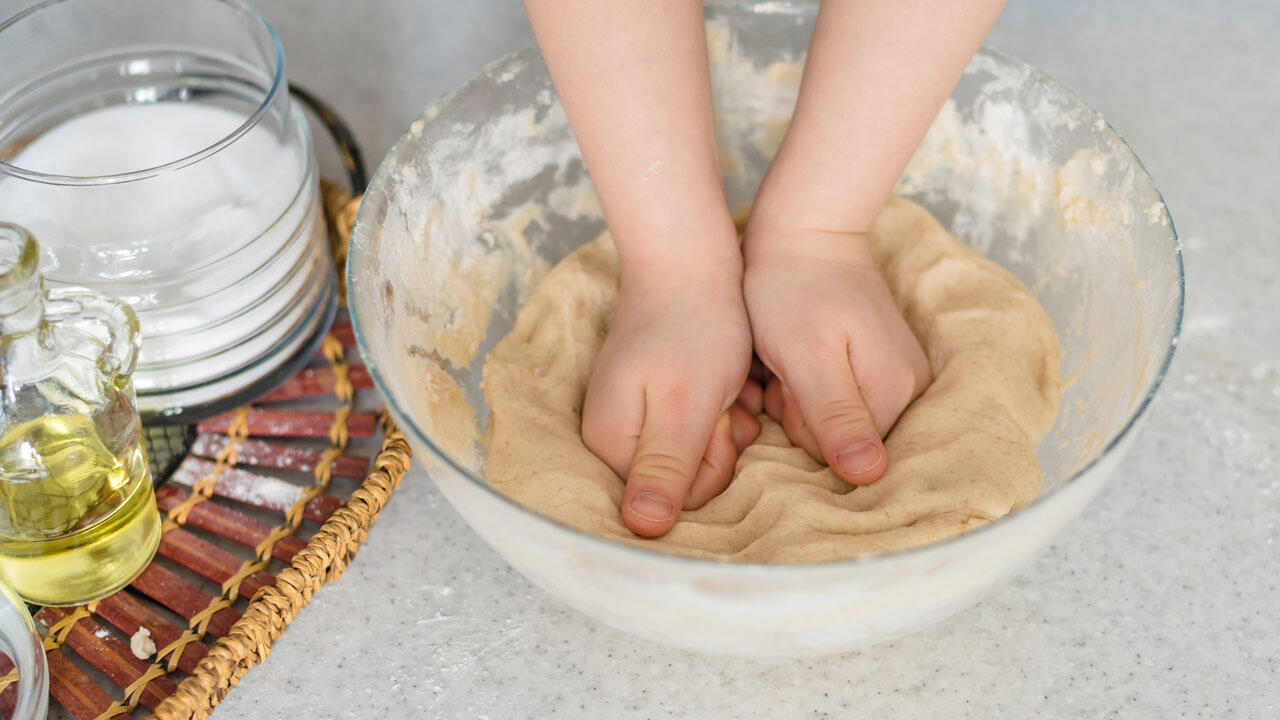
(1162, 601)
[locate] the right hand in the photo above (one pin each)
(846, 362)
(662, 407)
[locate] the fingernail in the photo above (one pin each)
(859, 457)
(651, 506)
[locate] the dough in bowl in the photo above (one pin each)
(962, 455)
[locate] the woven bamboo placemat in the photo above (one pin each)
(266, 504)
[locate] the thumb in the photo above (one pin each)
(836, 414)
(671, 445)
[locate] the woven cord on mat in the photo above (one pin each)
(244, 640)
(324, 558)
(328, 552)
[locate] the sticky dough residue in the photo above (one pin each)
(1047, 185)
(451, 254)
(753, 105)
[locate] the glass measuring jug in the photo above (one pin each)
(78, 518)
(154, 149)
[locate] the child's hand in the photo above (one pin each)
(845, 362)
(660, 408)
(635, 84)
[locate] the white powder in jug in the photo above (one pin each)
(218, 256)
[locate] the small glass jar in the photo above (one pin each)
(78, 516)
(22, 651)
(153, 148)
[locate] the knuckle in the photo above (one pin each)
(663, 467)
(672, 397)
(678, 403)
(800, 357)
(843, 415)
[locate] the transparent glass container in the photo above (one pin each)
(78, 517)
(487, 190)
(22, 649)
(153, 147)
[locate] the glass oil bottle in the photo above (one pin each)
(78, 518)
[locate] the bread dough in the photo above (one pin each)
(961, 455)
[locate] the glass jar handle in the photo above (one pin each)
(112, 315)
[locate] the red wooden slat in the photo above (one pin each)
(106, 652)
(266, 422)
(230, 524)
(279, 455)
(209, 561)
(165, 587)
(344, 332)
(128, 613)
(317, 381)
(262, 491)
(9, 696)
(74, 690)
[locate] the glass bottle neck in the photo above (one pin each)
(21, 289)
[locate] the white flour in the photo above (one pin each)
(189, 249)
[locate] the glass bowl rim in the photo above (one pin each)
(404, 421)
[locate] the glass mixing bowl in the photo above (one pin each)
(487, 190)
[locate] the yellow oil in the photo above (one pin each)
(78, 518)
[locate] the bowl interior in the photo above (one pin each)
(487, 191)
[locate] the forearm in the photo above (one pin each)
(876, 75)
(633, 78)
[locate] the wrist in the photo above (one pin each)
(697, 277)
(661, 223)
(806, 186)
(706, 255)
(765, 243)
